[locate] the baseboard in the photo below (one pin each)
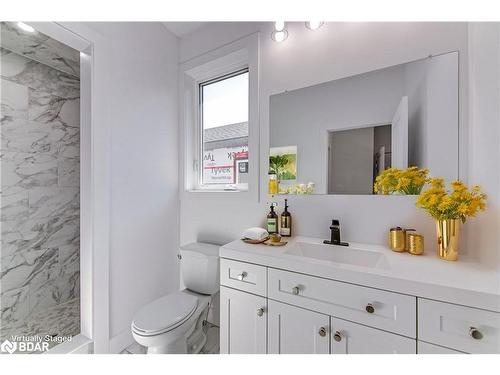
(120, 342)
(78, 344)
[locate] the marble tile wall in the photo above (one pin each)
(39, 47)
(40, 194)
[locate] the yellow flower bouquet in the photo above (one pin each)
(460, 203)
(408, 181)
(449, 208)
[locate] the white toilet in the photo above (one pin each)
(174, 323)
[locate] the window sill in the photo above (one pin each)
(216, 191)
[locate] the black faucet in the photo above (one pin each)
(335, 237)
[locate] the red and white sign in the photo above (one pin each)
(219, 165)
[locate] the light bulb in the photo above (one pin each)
(25, 27)
(314, 25)
(279, 25)
(279, 36)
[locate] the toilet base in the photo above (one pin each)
(192, 345)
(178, 347)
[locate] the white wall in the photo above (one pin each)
(306, 58)
(484, 137)
(135, 75)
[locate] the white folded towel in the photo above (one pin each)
(255, 233)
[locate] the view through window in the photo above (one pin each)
(224, 127)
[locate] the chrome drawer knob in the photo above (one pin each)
(337, 336)
(242, 275)
(260, 311)
(475, 333)
(295, 290)
(322, 332)
(370, 309)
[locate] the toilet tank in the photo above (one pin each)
(200, 267)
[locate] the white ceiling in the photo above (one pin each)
(181, 29)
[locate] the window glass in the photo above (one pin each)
(224, 127)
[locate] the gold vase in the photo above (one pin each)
(448, 236)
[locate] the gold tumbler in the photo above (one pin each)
(415, 244)
(397, 241)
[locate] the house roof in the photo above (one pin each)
(221, 133)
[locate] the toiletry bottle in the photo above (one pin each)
(272, 221)
(286, 222)
(273, 184)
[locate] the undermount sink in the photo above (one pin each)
(336, 254)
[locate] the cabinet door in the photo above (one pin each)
(292, 330)
(243, 319)
(426, 348)
(352, 338)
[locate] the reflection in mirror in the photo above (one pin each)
(338, 136)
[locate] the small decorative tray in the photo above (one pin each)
(265, 241)
(271, 243)
(255, 242)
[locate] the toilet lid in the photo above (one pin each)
(165, 312)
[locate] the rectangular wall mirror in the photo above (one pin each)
(338, 136)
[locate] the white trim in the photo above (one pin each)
(62, 34)
(95, 254)
(237, 55)
(86, 256)
(121, 341)
(79, 344)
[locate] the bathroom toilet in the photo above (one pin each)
(174, 323)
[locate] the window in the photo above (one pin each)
(223, 131)
(219, 122)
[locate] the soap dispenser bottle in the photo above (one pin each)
(272, 220)
(286, 222)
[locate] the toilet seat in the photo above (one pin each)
(164, 314)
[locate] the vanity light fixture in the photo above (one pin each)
(279, 34)
(314, 25)
(279, 25)
(25, 27)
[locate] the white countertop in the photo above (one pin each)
(464, 282)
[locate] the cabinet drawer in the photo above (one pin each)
(376, 308)
(243, 276)
(462, 328)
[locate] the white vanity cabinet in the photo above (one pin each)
(270, 310)
(266, 310)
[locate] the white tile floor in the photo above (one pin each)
(211, 346)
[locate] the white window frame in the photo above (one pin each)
(236, 56)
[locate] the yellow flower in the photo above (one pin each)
(394, 180)
(463, 209)
(460, 203)
(437, 182)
